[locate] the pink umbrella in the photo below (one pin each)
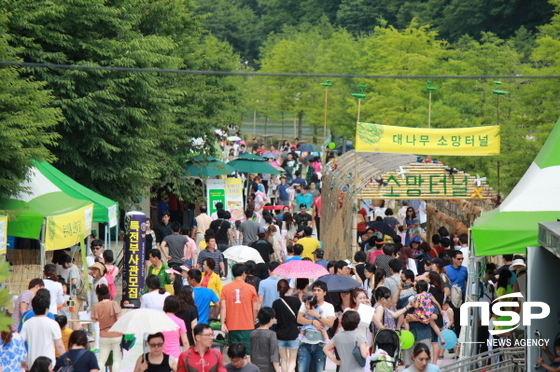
(301, 269)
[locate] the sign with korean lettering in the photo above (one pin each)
(215, 192)
(234, 197)
(474, 141)
(426, 181)
(134, 247)
(64, 230)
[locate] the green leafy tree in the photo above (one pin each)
(122, 131)
(26, 121)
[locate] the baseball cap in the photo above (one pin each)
(437, 260)
(303, 205)
(319, 252)
(417, 239)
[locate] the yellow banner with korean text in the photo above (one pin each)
(65, 230)
(473, 141)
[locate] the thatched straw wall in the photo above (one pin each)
(337, 222)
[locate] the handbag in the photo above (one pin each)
(358, 355)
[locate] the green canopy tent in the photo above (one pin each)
(105, 210)
(46, 213)
(513, 226)
(199, 166)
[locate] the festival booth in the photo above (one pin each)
(47, 214)
(526, 223)
(105, 210)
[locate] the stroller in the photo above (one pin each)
(387, 346)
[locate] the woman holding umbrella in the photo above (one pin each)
(155, 360)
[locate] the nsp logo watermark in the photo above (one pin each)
(498, 309)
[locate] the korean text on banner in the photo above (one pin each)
(234, 197)
(473, 141)
(64, 231)
(134, 247)
(215, 192)
(3, 234)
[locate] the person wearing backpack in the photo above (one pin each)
(111, 274)
(77, 358)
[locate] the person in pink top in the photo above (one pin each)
(171, 344)
(377, 250)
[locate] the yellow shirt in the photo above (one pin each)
(309, 246)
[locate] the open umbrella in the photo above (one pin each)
(269, 155)
(234, 138)
(147, 321)
(382, 227)
(252, 166)
(301, 269)
(134, 322)
(339, 283)
(243, 253)
(199, 166)
(308, 147)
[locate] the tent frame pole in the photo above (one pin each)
(42, 251)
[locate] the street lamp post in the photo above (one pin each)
(359, 96)
(430, 89)
(326, 84)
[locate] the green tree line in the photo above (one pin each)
(526, 113)
(115, 132)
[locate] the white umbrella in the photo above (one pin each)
(234, 138)
(148, 321)
(243, 253)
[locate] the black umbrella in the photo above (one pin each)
(382, 227)
(339, 283)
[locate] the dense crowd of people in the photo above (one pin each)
(271, 323)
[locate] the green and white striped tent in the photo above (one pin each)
(513, 226)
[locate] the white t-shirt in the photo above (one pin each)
(422, 212)
(153, 300)
(55, 289)
(40, 333)
(327, 309)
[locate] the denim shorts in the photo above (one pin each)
(294, 344)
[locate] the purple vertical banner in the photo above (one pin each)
(133, 259)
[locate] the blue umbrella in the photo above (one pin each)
(339, 283)
(269, 155)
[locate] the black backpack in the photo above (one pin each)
(69, 364)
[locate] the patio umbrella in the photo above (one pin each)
(382, 227)
(301, 269)
(206, 167)
(269, 155)
(243, 253)
(253, 166)
(339, 283)
(134, 322)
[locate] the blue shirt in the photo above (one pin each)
(293, 258)
(306, 199)
(457, 276)
(282, 194)
(30, 314)
(300, 181)
(322, 262)
(268, 288)
(202, 298)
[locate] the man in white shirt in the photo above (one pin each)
(54, 287)
(42, 334)
(96, 252)
(310, 352)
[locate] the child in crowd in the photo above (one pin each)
(424, 309)
(62, 321)
(554, 358)
(310, 303)
(447, 315)
(265, 353)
